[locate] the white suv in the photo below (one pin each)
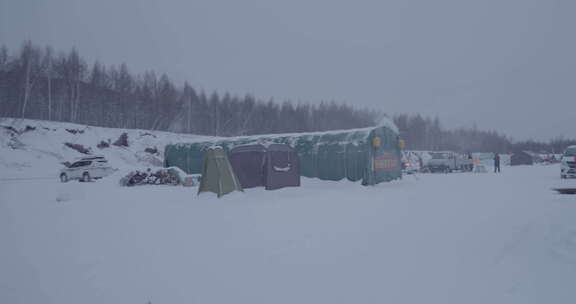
(86, 169)
(568, 164)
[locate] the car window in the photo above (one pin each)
(570, 152)
(437, 155)
(80, 164)
(440, 155)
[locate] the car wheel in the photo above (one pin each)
(86, 177)
(63, 177)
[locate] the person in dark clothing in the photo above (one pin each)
(496, 163)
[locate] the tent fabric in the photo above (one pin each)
(355, 159)
(273, 167)
(370, 155)
(187, 159)
(217, 174)
(385, 159)
(248, 163)
(282, 167)
(331, 162)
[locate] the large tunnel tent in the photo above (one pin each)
(368, 154)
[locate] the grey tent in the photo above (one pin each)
(283, 167)
(248, 162)
(273, 167)
(217, 173)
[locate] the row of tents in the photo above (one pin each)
(272, 167)
(370, 155)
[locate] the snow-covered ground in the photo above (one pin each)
(454, 238)
(36, 149)
(446, 238)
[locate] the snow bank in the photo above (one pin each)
(36, 149)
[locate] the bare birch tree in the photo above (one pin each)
(31, 68)
(48, 58)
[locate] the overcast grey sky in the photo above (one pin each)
(507, 65)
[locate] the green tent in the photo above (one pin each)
(371, 155)
(217, 173)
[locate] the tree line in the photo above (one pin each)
(40, 83)
(426, 133)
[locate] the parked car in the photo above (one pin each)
(448, 162)
(568, 163)
(86, 169)
(410, 162)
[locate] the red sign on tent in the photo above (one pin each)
(385, 162)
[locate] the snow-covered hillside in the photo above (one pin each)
(36, 149)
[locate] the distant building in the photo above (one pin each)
(521, 158)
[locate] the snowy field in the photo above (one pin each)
(457, 238)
